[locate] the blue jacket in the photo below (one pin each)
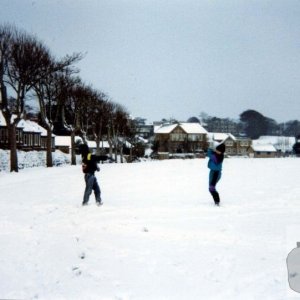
(213, 162)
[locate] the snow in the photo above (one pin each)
(30, 126)
(220, 136)
(30, 159)
(189, 128)
(157, 236)
(165, 128)
(282, 143)
(263, 147)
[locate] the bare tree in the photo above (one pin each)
(118, 126)
(99, 118)
(22, 61)
(77, 105)
(51, 91)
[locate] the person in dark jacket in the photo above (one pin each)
(89, 167)
(216, 157)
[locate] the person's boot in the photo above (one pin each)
(216, 197)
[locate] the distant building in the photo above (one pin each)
(63, 143)
(29, 135)
(142, 129)
(234, 146)
(180, 138)
(262, 151)
(282, 144)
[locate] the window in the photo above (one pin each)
(3, 135)
(25, 139)
(194, 137)
(177, 137)
(36, 139)
(244, 143)
(18, 137)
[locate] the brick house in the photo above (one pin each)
(180, 138)
(29, 135)
(234, 146)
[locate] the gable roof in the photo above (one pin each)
(165, 128)
(193, 128)
(189, 128)
(31, 126)
(220, 136)
(26, 125)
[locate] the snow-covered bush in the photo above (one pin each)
(32, 159)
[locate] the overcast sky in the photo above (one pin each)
(177, 58)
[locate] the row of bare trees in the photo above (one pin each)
(28, 69)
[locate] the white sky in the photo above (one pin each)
(177, 58)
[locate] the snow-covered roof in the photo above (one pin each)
(31, 126)
(193, 128)
(66, 141)
(263, 147)
(125, 142)
(220, 136)
(165, 128)
(63, 141)
(189, 128)
(283, 143)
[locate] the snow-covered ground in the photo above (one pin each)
(157, 236)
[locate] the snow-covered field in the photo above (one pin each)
(157, 236)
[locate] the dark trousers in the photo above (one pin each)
(91, 184)
(214, 177)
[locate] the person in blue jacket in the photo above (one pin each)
(216, 157)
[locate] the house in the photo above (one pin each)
(283, 144)
(180, 138)
(243, 146)
(227, 138)
(142, 129)
(258, 150)
(63, 143)
(234, 146)
(34, 136)
(104, 146)
(29, 135)
(4, 134)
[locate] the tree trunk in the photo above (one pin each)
(49, 148)
(98, 145)
(109, 140)
(121, 153)
(116, 150)
(73, 154)
(130, 153)
(13, 148)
